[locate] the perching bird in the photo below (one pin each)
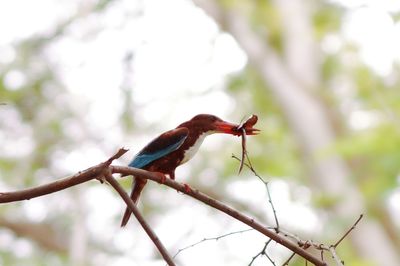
(175, 147)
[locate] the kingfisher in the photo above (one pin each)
(175, 147)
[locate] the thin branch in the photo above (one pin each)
(220, 206)
(263, 252)
(209, 239)
(348, 231)
(251, 168)
(305, 244)
(131, 205)
(289, 259)
(332, 248)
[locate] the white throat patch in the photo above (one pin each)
(189, 153)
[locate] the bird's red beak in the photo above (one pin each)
(230, 128)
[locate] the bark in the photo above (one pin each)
(308, 119)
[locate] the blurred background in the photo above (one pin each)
(80, 79)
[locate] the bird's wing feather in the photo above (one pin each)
(164, 144)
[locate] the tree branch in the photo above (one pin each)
(222, 207)
(61, 184)
(131, 205)
(102, 169)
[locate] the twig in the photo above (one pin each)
(348, 231)
(80, 177)
(263, 252)
(251, 168)
(131, 205)
(289, 259)
(209, 239)
(332, 248)
(222, 207)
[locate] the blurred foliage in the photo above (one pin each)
(276, 143)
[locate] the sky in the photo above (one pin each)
(184, 65)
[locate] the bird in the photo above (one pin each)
(175, 147)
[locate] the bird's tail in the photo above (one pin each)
(137, 187)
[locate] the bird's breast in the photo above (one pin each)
(191, 151)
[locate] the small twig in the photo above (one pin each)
(273, 208)
(251, 168)
(131, 205)
(332, 248)
(289, 259)
(262, 252)
(209, 239)
(348, 231)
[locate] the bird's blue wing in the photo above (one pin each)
(164, 144)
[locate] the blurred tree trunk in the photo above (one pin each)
(293, 79)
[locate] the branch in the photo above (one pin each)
(99, 170)
(219, 206)
(80, 177)
(131, 205)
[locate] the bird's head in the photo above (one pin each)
(205, 123)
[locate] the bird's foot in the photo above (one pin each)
(188, 189)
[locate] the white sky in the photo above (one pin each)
(176, 64)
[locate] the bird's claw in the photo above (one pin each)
(188, 189)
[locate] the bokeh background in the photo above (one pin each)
(80, 79)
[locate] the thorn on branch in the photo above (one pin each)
(117, 155)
